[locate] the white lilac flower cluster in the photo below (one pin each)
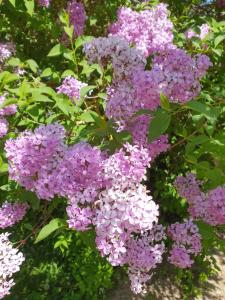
(10, 262)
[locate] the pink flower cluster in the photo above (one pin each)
(125, 210)
(139, 130)
(3, 127)
(125, 60)
(143, 255)
(204, 31)
(6, 111)
(208, 206)
(175, 74)
(79, 174)
(150, 30)
(34, 157)
(187, 243)
(6, 51)
(77, 16)
(103, 192)
(79, 218)
(44, 3)
(10, 261)
(123, 100)
(11, 214)
(71, 87)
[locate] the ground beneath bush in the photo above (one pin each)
(214, 289)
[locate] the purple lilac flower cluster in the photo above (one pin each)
(143, 255)
(34, 157)
(175, 74)
(44, 3)
(77, 16)
(80, 173)
(150, 30)
(187, 243)
(12, 213)
(138, 127)
(103, 192)
(124, 210)
(204, 31)
(71, 87)
(6, 111)
(123, 101)
(3, 127)
(10, 261)
(208, 206)
(125, 60)
(6, 51)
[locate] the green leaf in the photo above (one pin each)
(29, 6)
(205, 230)
(14, 62)
(84, 90)
(69, 55)
(31, 198)
(52, 226)
(13, 2)
(81, 40)
(67, 73)
(217, 51)
(46, 72)
(64, 104)
(88, 238)
(32, 65)
(88, 116)
(142, 112)
(7, 77)
(56, 50)
(210, 113)
(218, 40)
(123, 137)
(69, 31)
(11, 186)
(164, 102)
(4, 169)
(8, 102)
(158, 125)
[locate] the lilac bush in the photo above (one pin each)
(111, 163)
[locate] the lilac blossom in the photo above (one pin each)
(149, 30)
(208, 206)
(34, 157)
(71, 87)
(187, 243)
(125, 60)
(77, 16)
(10, 261)
(80, 173)
(7, 110)
(204, 31)
(44, 3)
(12, 213)
(6, 51)
(3, 127)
